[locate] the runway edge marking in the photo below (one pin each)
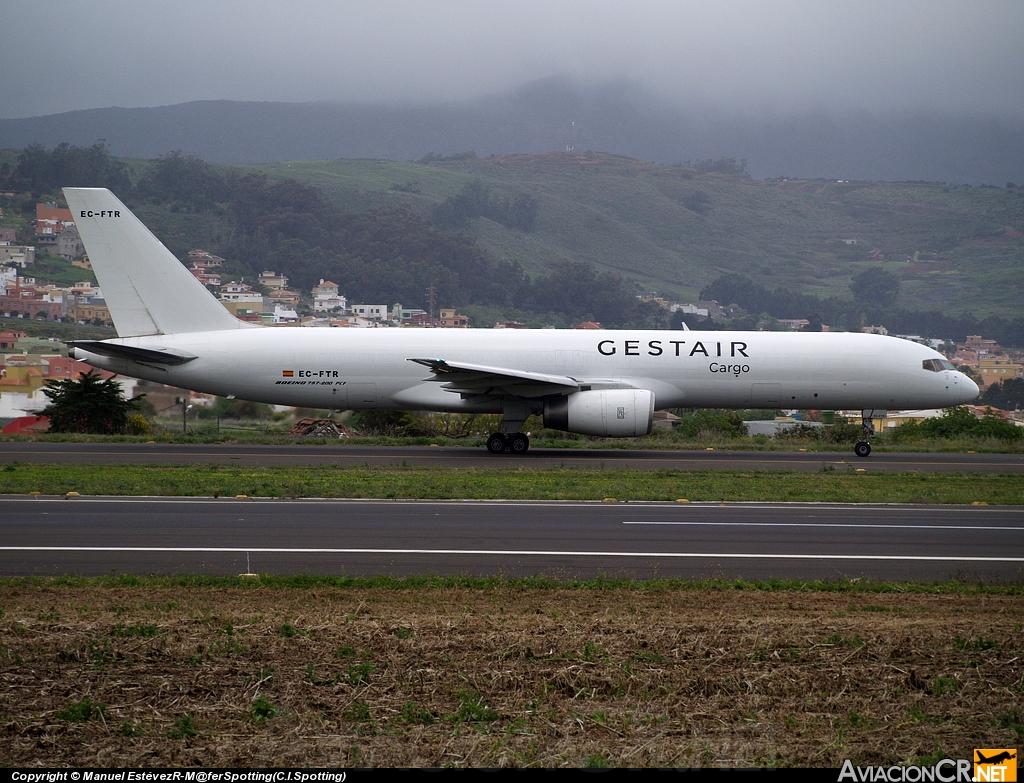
(512, 553)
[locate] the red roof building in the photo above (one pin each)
(51, 219)
(27, 425)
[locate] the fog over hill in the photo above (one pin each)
(618, 117)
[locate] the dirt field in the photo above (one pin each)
(319, 676)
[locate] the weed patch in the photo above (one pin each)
(262, 710)
(184, 727)
(82, 711)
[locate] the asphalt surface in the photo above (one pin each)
(454, 457)
(92, 536)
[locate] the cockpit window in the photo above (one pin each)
(937, 365)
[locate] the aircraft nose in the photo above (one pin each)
(968, 389)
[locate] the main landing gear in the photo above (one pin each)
(510, 439)
(516, 443)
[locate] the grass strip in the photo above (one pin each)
(269, 583)
(658, 441)
(829, 485)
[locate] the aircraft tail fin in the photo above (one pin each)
(147, 290)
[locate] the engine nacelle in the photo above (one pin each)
(611, 413)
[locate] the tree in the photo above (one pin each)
(42, 171)
(475, 200)
(698, 201)
(813, 323)
(88, 405)
(876, 286)
(184, 180)
(1006, 395)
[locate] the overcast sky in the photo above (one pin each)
(59, 55)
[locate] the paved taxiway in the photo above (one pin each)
(52, 536)
(425, 456)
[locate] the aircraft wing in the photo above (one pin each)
(475, 379)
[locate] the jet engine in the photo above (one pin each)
(612, 413)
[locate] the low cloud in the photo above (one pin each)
(761, 57)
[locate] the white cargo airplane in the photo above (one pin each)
(607, 383)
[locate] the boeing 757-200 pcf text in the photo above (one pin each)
(607, 383)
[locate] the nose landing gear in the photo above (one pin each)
(867, 430)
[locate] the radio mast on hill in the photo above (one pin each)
(571, 144)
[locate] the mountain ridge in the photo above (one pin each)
(618, 118)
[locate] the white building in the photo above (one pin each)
(239, 292)
(8, 279)
(352, 321)
(14, 404)
(371, 312)
(689, 309)
(327, 299)
(284, 315)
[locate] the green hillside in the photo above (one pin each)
(524, 234)
(675, 229)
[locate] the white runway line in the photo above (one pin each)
(826, 524)
(511, 553)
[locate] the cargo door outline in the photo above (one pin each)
(766, 395)
(360, 395)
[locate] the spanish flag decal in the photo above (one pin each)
(288, 373)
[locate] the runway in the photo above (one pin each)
(454, 457)
(93, 536)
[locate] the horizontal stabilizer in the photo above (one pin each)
(130, 352)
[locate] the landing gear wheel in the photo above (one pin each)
(496, 443)
(862, 449)
(518, 443)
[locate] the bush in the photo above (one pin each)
(758, 414)
(711, 422)
(843, 432)
(800, 431)
(389, 424)
(137, 425)
(960, 423)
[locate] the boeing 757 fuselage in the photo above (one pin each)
(609, 383)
